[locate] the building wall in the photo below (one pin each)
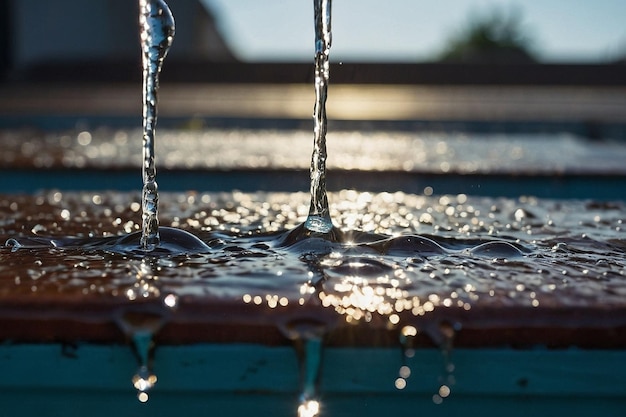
(61, 30)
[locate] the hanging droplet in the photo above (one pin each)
(140, 328)
(310, 408)
(307, 336)
(144, 380)
(310, 366)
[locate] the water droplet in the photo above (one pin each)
(38, 228)
(559, 247)
(144, 379)
(14, 244)
(171, 300)
(400, 383)
(310, 408)
(412, 246)
(497, 249)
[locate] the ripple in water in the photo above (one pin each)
(174, 242)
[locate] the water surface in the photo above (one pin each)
(396, 257)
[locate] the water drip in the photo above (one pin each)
(144, 380)
(310, 359)
(140, 328)
(156, 33)
(307, 336)
(407, 336)
(319, 214)
(447, 379)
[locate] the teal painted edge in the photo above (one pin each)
(253, 380)
(256, 368)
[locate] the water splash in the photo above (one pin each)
(156, 33)
(319, 214)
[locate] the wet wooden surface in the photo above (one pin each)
(567, 292)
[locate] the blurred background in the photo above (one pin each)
(427, 31)
(461, 90)
(40, 36)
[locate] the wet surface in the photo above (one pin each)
(392, 260)
(197, 147)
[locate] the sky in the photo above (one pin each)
(416, 30)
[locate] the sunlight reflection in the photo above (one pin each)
(310, 408)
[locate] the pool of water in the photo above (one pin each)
(393, 259)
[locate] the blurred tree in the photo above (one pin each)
(493, 38)
(621, 58)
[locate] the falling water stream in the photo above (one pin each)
(319, 214)
(388, 261)
(156, 28)
(156, 25)
(318, 219)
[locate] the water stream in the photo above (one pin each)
(319, 216)
(156, 25)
